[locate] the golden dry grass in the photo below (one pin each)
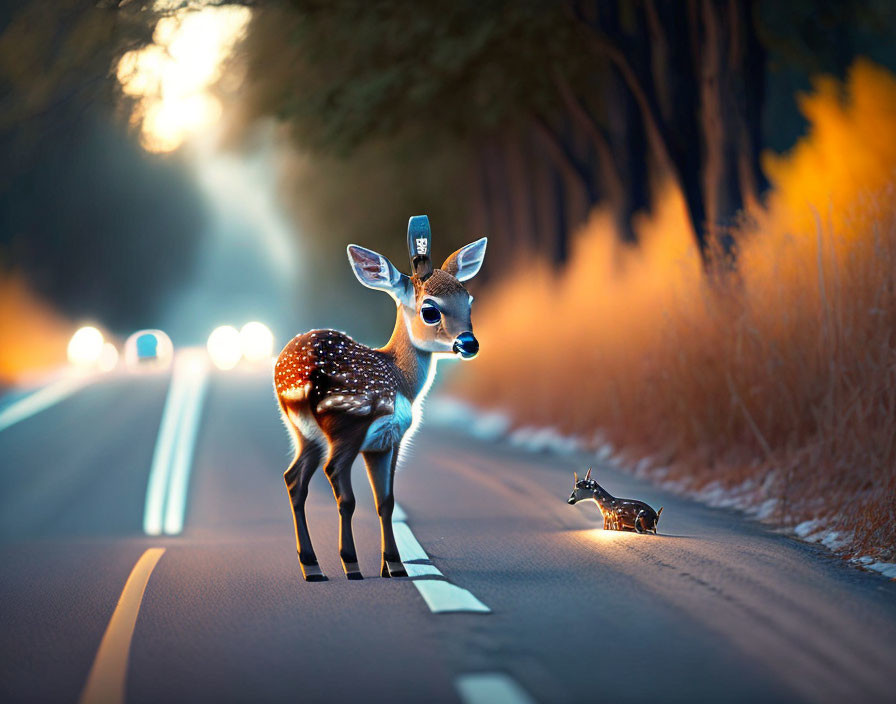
(33, 337)
(785, 381)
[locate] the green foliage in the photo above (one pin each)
(98, 227)
(368, 71)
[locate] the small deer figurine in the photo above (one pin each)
(619, 514)
(338, 397)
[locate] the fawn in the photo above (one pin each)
(619, 514)
(338, 397)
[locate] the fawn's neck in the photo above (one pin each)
(601, 495)
(413, 363)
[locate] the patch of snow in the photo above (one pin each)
(834, 539)
(815, 532)
(491, 426)
(449, 412)
(718, 495)
(766, 508)
(677, 486)
(458, 415)
(807, 528)
(642, 468)
(887, 569)
(535, 439)
(604, 452)
(618, 460)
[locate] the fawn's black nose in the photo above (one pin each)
(466, 345)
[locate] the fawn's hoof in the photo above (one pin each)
(352, 570)
(313, 573)
(396, 569)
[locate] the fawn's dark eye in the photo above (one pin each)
(430, 314)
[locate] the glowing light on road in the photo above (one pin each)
(608, 537)
(172, 78)
(85, 347)
(148, 349)
(108, 357)
(224, 347)
(257, 342)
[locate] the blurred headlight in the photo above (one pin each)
(108, 357)
(224, 347)
(85, 347)
(256, 342)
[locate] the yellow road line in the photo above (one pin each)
(106, 681)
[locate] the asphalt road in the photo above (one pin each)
(716, 608)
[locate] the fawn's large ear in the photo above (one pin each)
(375, 271)
(465, 263)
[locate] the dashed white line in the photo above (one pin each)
(169, 477)
(41, 399)
(491, 688)
(440, 595)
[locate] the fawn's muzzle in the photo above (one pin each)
(466, 345)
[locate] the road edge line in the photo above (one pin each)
(41, 399)
(106, 679)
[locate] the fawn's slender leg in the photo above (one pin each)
(297, 477)
(381, 472)
(338, 468)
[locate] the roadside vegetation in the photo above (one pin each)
(685, 259)
(778, 386)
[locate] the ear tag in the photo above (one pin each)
(420, 246)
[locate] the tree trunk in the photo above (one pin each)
(720, 122)
(697, 83)
(628, 155)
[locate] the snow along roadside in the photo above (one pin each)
(495, 426)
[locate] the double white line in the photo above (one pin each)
(169, 478)
(166, 503)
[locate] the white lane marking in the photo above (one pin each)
(182, 461)
(106, 681)
(398, 514)
(440, 595)
(417, 570)
(41, 399)
(491, 688)
(408, 546)
(169, 477)
(446, 598)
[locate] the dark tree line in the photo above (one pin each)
(511, 118)
(100, 228)
(563, 105)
